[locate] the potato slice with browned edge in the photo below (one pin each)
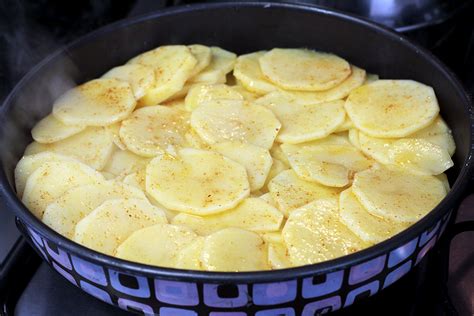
(28, 164)
(235, 121)
(291, 192)
(197, 182)
(152, 130)
(396, 194)
(247, 71)
(392, 108)
(164, 251)
(252, 214)
(52, 179)
(50, 130)
(256, 160)
(314, 233)
(370, 228)
(141, 78)
(93, 146)
(200, 94)
(98, 102)
(342, 90)
(222, 62)
(110, 224)
(67, 210)
(234, 249)
(303, 69)
(203, 57)
(303, 122)
(173, 65)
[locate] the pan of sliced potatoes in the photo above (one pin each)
(247, 158)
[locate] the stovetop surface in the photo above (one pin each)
(29, 30)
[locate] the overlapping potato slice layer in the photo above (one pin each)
(302, 69)
(200, 94)
(153, 130)
(140, 78)
(235, 121)
(95, 103)
(50, 130)
(203, 56)
(222, 62)
(396, 194)
(172, 64)
(211, 182)
(247, 70)
(392, 108)
(303, 122)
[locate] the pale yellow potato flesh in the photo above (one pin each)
(370, 228)
(189, 257)
(164, 251)
(93, 146)
(68, 209)
(234, 249)
(152, 130)
(200, 94)
(110, 224)
(52, 179)
(276, 169)
(397, 195)
(278, 256)
(247, 71)
(253, 214)
(303, 122)
(173, 66)
(203, 57)
(235, 121)
(124, 162)
(140, 78)
(114, 130)
(222, 62)
(308, 241)
(392, 108)
(303, 69)
(212, 182)
(98, 102)
(50, 130)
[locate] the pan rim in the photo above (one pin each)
(11, 201)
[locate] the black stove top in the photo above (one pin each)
(29, 30)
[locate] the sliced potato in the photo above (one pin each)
(190, 256)
(276, 169)
(370, 228)
(392, 108)
(141, 78)
(203, 57)
(256, 160)
(437, 133)
(153, 130)
(342, 90)
(52, 179)
(376, 148)
(222, 62)
(197, 182)
(444, 179)
(28, 164)
(98, 102)
(291, 192)
(301, 123)
(371, 78)
(309, 241)
(110, 224)
(248, 95)
(396, 194)
(200, 94)
(329, 164)
(234, 249)
(93, 146)
(277, 153)
(345, 126)
(50, 130)
(124, 162)
(252, 214)
(247, 71)
(278, 256)
(173, 65)
(68, 209)
(303, 69)
(353, 136)
(235, 121)
(420, 156)
(168, 242)
(114, 130)
(136, 179)
(195, 141)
